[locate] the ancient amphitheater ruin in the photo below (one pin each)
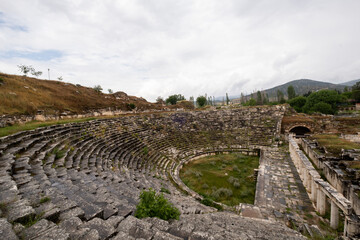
(91, 191)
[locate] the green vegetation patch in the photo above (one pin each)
(155, 205)
(224, 178)
(333, 143)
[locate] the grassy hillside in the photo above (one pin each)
(26, 95)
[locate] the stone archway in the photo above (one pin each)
(300, 130)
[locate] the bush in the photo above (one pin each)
(323, 107)
(234, 181)
(329, 97)
(222, 193)
(97, 88)
(173, 99)
(208, 202)
(298, 103)
(155, 205)
(1, 81)
(131, 106)
(205, 186)
(201, 101)
(165, 190)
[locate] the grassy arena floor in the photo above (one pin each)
(225, 178)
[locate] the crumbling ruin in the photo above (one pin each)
(82, 180)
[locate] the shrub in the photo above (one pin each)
(155, 205)
(165, 190)
(97, 88)
(297, 103)
(1, 81)
(222, 192)
(323, 107)
(173, 99)
(205, 186)
(234, 181)
(197, 174)
(201, 101)
(208, 202)
(330, 97)
(131, 106)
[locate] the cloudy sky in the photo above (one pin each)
(153, 48)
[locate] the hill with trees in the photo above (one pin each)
(303, 86)
(350, 83)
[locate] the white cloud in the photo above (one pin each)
(157, 48)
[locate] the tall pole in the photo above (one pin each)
(49, 73)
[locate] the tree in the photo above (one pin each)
(323, 107)
(97, 88)
(110, 91)
(259, 100)
(356, 92)
(291, 92)
(227, 99)
(298, 103)
(173, 99)
(242, 98)
(25, 69)
(155, 205)
(330, 97)
(160, 100)
(36, 74)
(191, 99)
(280, 96)
(201, 101)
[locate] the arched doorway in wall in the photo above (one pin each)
(300, 131)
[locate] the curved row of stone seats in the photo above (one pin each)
(86, 177)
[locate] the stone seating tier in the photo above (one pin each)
(82, 180)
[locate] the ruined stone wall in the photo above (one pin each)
(321, 192)
(334, 175)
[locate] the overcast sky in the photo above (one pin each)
(153, 48)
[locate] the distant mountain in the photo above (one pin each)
(350, 83)
(301, 87)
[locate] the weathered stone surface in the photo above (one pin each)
(105, 229)
(45, 229)
(74, 212)
(96, 185)
(19, 210)
(122, 236)
(114, 220)
(6, 231)
(165, 236)
(70, 225)
(136, 228)
(48, 211)
(109, 211)
(90, 234)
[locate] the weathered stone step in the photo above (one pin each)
(45, 229)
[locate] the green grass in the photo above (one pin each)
(224, 178)
(333, 143)
(44, 200)
(36, 124)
